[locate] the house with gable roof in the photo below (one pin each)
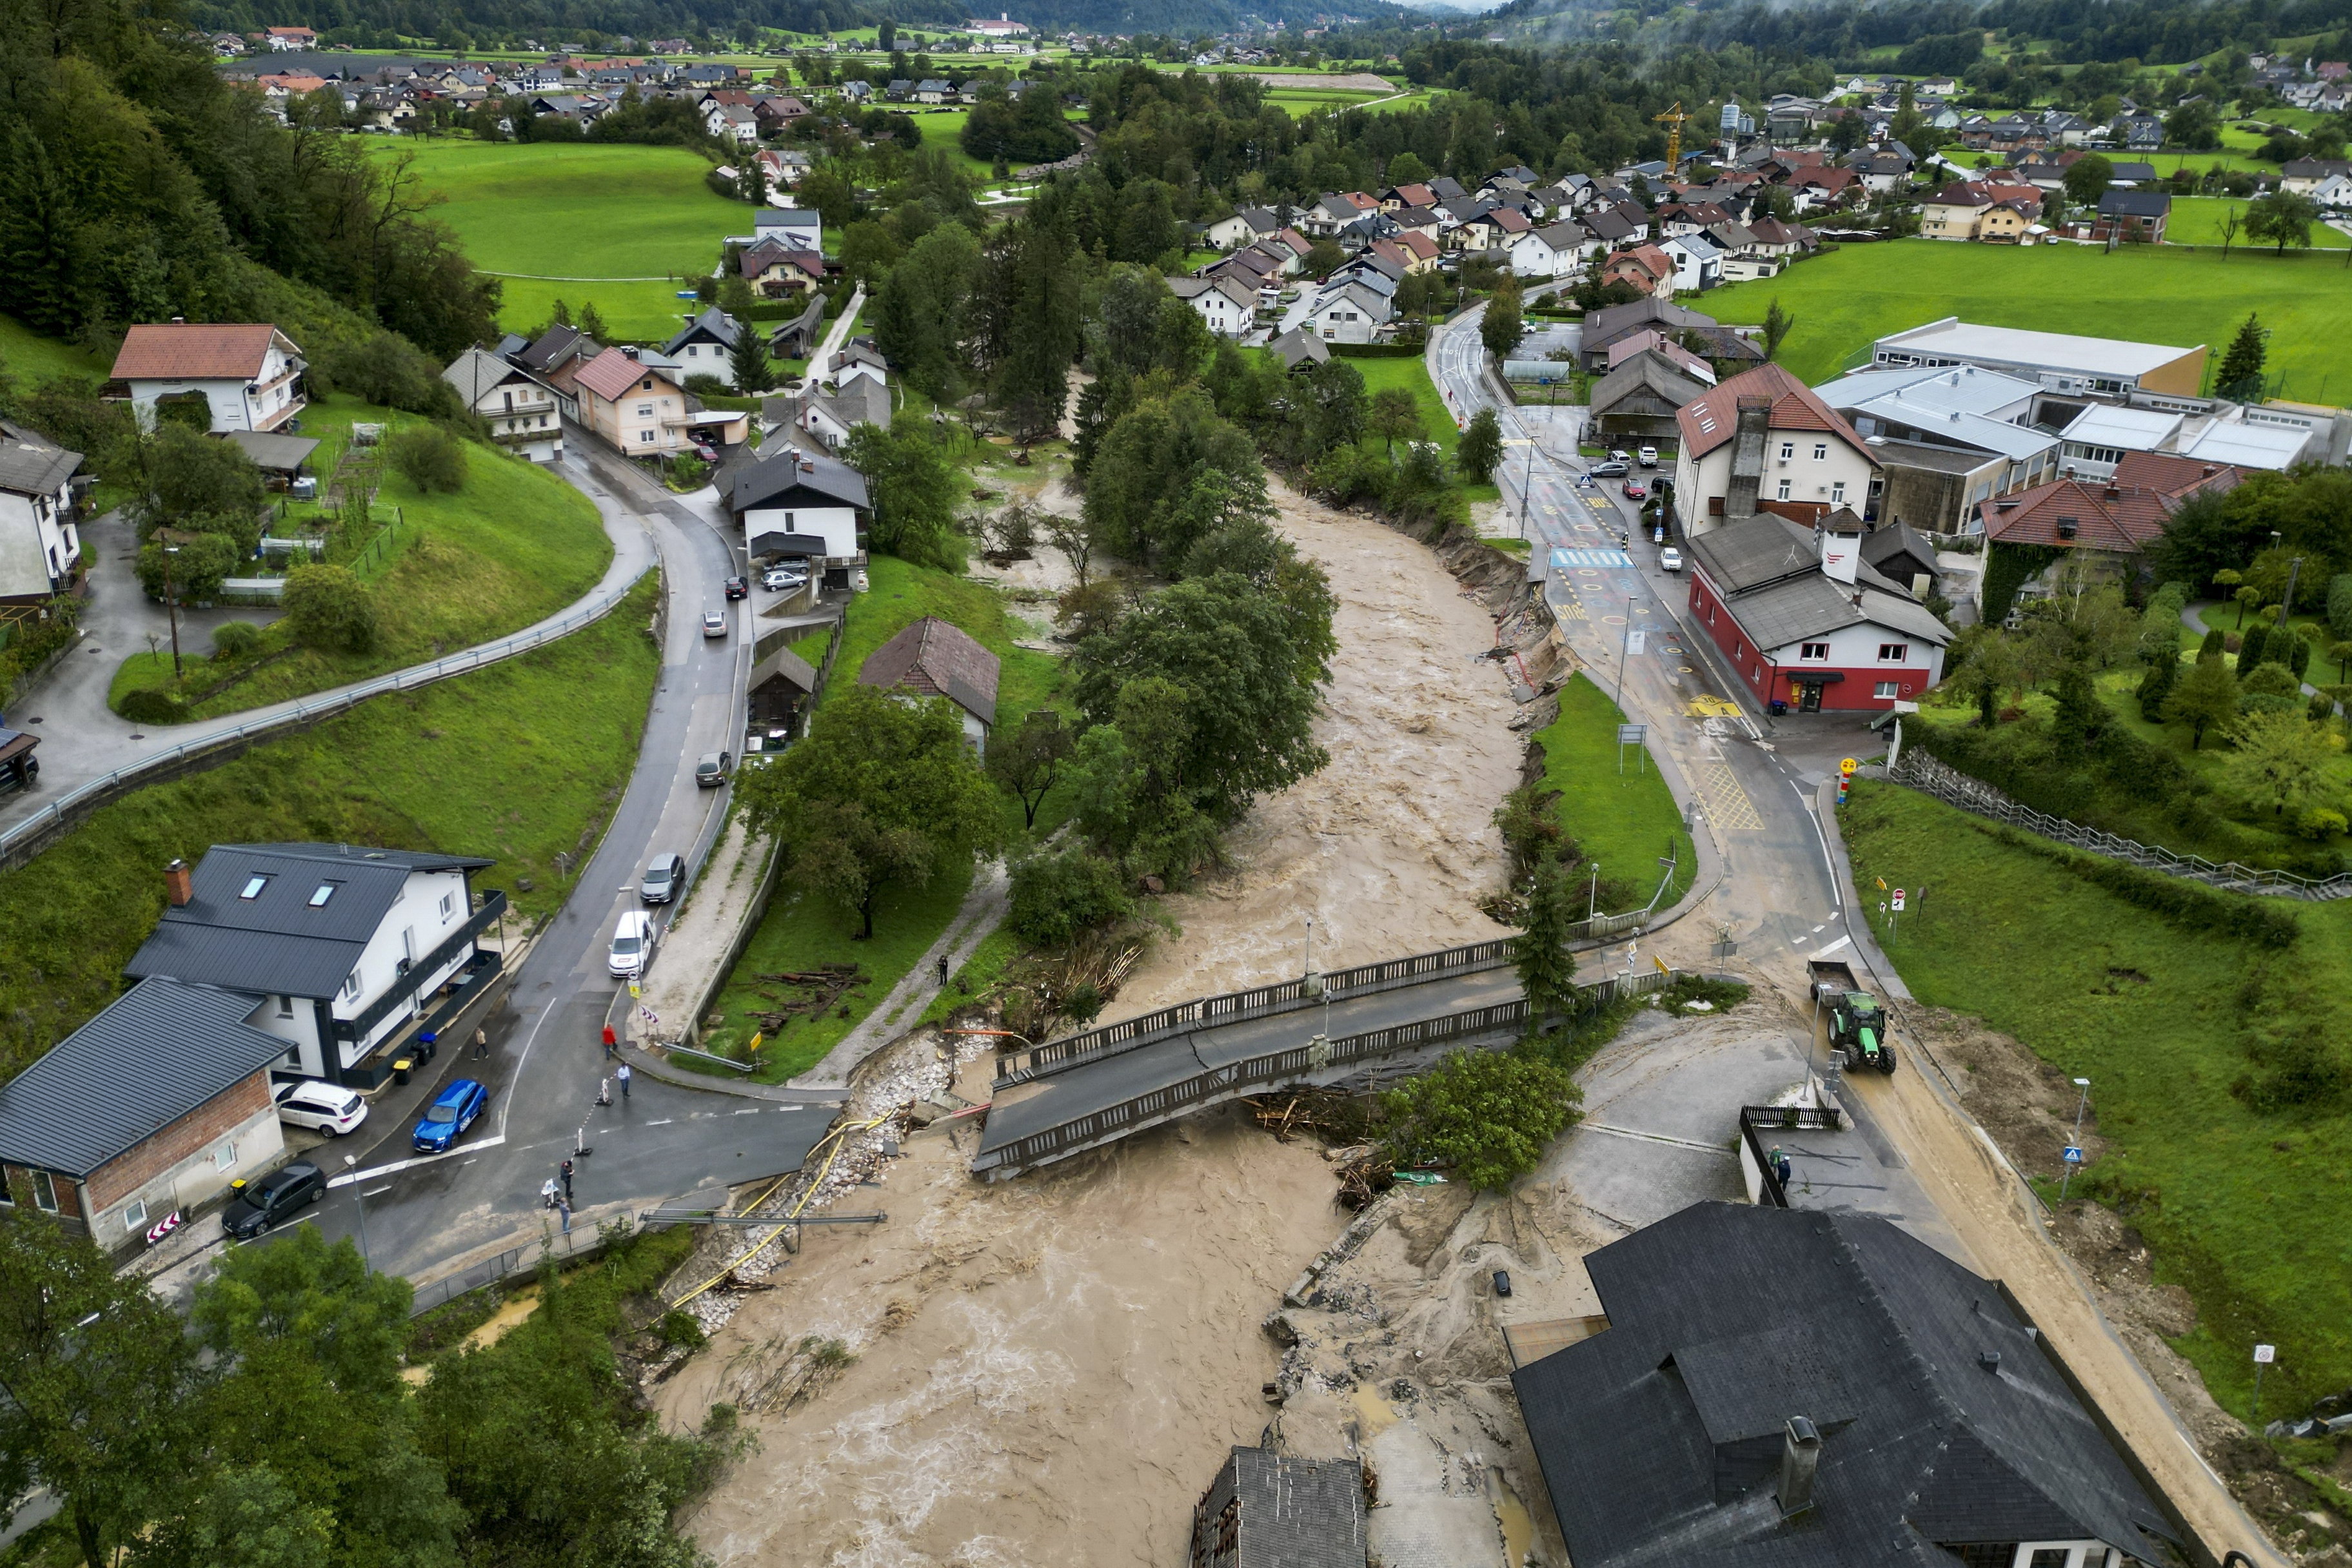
(248, 373)
(934, 658)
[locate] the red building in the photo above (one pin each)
(1805, 621)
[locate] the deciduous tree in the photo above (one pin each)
(1480, 451)
(2205, 698)
(1488, 1115)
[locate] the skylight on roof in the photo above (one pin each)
(253, 885)
(326, 890)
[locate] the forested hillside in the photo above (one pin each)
(136, 185)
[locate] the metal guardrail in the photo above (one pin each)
(1290, 1064)
(1930, 776)
(97, 790)
(465, 1281)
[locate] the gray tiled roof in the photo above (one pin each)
(276, 941)
(1658, 1436)
(827, 481)
(155, 1054)
(30, 465)
(713, 324)
(1286, 1513)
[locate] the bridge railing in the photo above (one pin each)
(1291, 1065)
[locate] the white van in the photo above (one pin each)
(633, 945)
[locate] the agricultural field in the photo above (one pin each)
(2247, 1208)
(2197, 220)
(943, 128)
(616, 226)
(2163, 294)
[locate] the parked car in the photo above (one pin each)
(1618, 455)
(776, 578)
(1635, 490)
(323, 1107)
(710, 771)
(714, 623)
(737, 588)
(267, 1202)
(452, 1111)
(1670, 559)
(1648, 456)
(663, 873)
(633, 944)
(1609, 469)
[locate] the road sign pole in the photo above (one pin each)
(2263, 1356)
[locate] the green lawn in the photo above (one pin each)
(2160, 293)
(514, 762)
(28, 357)
(943, 128)
(554, 210)
(1622, 821)
(2197, 220)
(515, 546)
(801, 929)
(2250, 1211)
(1413, 374)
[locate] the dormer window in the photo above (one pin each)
(326, 890)
(253, 886)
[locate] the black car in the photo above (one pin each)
(272, 1201)
(737, 588)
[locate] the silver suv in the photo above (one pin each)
(663, 873)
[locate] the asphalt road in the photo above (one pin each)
(546, 1063)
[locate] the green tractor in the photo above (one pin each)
(1858, 1028)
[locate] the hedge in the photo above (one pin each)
(1376, 351)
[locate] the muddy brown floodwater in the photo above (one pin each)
(1046, 1371)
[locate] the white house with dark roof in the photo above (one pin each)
(521, 408)
(797, 503)
(1228, 305)
(341, 949)
(705, 346)
(41, 547)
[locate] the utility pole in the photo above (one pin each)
(171, 606)
(1526, 478)
(351, 1162)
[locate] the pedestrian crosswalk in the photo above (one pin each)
(1567, 560)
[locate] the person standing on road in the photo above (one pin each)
(567, 1181)
(944, 968)
(625, 1075)
(481, 1045)
(566, 1209)
(611, 1042)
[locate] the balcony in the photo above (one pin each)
(403, 991)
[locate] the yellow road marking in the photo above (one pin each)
(1726, 802)
(1712, 707)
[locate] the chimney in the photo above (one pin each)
(1989, 1359)
(1801, 1456)
(1841, 556)
(179, 886)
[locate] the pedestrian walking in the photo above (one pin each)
(567, 1181)
(611, 1042)
(481, 1044)
(566, 1209)
(625, 1075)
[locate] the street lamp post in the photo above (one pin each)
(171, 606)
(1526, 478)
(350, 1163)
(2081, 1103)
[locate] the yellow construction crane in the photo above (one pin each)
(1674, 117)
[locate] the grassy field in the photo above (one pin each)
(2197, 220)
(599, 213)
(943, 128)
(2249, 1211)
(1436, 420)
(28, 357)
(2153, 293)
(516, 545)
(518, 762)
(1623, 820)
(801, 929)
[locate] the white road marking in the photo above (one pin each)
(1830, 947)
(665, 1122)
(752, 1112)
(1822, 927)
(398, 1165)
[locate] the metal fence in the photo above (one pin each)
(1918, 771)
(55, 814)
(1290, 1065)
(490, 1271)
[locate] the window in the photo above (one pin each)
(1816, 653)
(351, 986)
(644, 410)
(45, 1192)
(1888, 689)
(253, 887)
(1788, 450)
(1893, 653)
(286, 1006)
(449, 902)
(2049, 1557)
(326, 890)
(1820, 451)
(225, 1154)
(1784, 490)
(134, 1215)
(645, 438)
(1837, 493)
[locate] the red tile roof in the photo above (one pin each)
(1708, 422)
(2173, 474)
(613, 372)
(2094, 516)
(194, 351)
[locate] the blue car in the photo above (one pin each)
(452, 1111)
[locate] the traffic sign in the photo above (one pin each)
(1847, 767)
(2264, 1354)
(1898, 901)
(164, 1227)
(2073, 1155)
